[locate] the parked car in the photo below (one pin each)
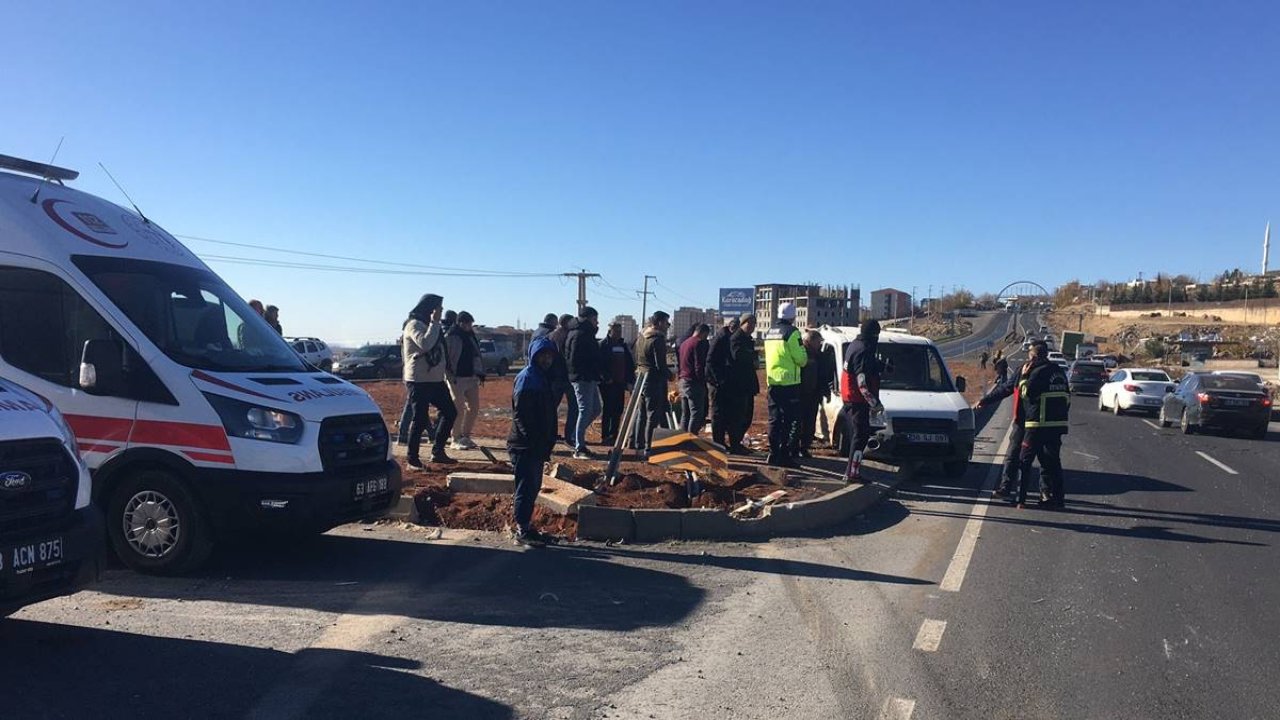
(312, 350)
(1086, 376)
(371, 361)
(498, 355)
(1220, 400)
(1135, 389)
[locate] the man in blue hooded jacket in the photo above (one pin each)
(533, 434)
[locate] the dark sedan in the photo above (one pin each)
(1086, 377)
(1210, 400)
(370, 361)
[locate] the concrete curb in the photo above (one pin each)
(603, 523)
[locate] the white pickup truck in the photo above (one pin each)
(51, 535)
(925, 418)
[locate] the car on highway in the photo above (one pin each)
(312, 350)
(1135, 389)
(926, 417)
(1086, 377)
(52, 537)
(370, 362)
(1253, 377)
(1224, 401)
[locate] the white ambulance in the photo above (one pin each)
(196, 418)
(51, 540)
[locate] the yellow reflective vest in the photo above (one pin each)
(784, 355)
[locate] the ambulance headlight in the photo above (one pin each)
(253, 422)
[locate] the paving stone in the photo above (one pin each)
(494, 483)
(601, 523)
(564, 498)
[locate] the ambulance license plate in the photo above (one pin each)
(931, 438)
(24, 558)
(371, 486)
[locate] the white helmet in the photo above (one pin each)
(787, 311)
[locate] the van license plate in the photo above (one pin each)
(372, 486)
(22, 559)
(935, 438)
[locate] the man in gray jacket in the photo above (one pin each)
(424, 352)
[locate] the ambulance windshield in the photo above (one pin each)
(191, 315)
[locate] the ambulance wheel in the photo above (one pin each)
(155, 526)
(1187, 428)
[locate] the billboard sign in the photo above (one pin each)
(735, 301)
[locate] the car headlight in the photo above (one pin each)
(243, 420)
(965, 419)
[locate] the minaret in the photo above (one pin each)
(1266, 247)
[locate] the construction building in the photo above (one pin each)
(630, 330)
(890, 303)
(686, 317)
(816, 305)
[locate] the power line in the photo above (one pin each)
(372, 271)
(673, 292)
(364, 260)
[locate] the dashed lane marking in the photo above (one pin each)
(1085, 454)
(1157, 427)
(1206, 456)
(954, 578)
(930, 635)
(897, 709)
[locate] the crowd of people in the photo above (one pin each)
(716, 377)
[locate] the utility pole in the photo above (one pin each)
(644, 302)
(582, 286)
(911, 324)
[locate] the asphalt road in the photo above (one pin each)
(988, 327)
(1153, 595)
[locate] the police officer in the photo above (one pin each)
(860, 391)
(784, 356)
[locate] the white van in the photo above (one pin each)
(51, 540)
(196, 418)
(925, 418)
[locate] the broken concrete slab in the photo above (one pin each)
(560, 472)
(776, 475)
(564, 498)
(406, 509)
(494, 483)
(656, 525)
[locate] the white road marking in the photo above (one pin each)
(1167, 654)
(954, 578)
(1157, 427)
(1216, 462)
(897, 709)
(1085, 454)
(930, 635)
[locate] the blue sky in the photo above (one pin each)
(713, 144)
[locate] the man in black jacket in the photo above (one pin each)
(618, 373)
(582, 355)
(533, 435)
(742, 384)
(719, 356)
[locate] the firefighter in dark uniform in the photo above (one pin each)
(860, 391)
(1042, 406)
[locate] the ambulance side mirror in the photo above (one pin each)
(960, 383)
(102, 367)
